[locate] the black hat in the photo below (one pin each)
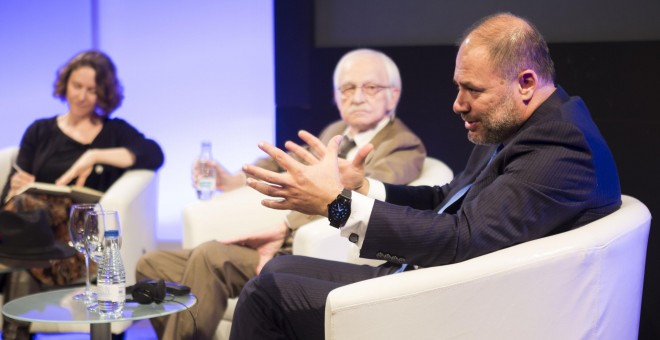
(29, 236)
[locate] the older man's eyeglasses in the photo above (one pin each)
(348, 90)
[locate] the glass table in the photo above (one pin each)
(58, 306)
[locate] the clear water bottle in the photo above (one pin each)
(111, 278)
(206, 180)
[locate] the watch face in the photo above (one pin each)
(339, 211)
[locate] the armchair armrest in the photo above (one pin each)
(134, 196)
(7, 156)
(434, 172)
(228, 215)
(319, 239)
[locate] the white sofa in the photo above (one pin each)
(135, 197)
(239, 212)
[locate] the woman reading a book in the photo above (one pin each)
(82, 147)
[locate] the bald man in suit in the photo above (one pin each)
(540, 167)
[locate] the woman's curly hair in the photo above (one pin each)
(108, 88)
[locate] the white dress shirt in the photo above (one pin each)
(361, 207)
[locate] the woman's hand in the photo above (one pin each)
(19, 180)
(81, 169)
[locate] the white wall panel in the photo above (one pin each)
(36, 38)
(193, 71)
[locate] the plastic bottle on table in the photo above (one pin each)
(111, 278)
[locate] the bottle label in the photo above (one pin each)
(111, 292)
(206, 183)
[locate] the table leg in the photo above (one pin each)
(100, 331)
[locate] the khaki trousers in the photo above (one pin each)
(214, 271)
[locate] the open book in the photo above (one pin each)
(77, 194)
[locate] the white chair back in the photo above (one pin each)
(7, 157)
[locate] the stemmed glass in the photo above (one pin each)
(96, 224)
(78, 235)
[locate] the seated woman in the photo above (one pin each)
(80, 147)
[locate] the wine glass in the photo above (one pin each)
(96, 224)
(78, 236)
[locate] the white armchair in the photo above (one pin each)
(239, 212)
(231, 214)
(582, 284)
(134, 196)
(7, 156)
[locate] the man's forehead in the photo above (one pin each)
(473, 54)
(363, 69)
(472, 64)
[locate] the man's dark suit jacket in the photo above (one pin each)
(555, 174)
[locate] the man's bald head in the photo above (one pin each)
(513, 45)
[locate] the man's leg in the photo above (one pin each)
(214, 272)
(166, 265)
(287, 300)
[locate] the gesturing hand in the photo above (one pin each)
(351, 173)
(267, 243)
(304, 188)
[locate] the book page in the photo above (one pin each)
(77, 194)
(85, 195)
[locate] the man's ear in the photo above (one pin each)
(527, 82)
(337, 99)
(393, 98)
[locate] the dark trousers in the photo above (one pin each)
(287, 300)
(17, 284)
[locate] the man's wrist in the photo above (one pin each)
(364, 187)
(331, 198)
(339, 210)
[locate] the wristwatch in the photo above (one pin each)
(340, 209)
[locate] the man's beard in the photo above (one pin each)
(498, 123)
